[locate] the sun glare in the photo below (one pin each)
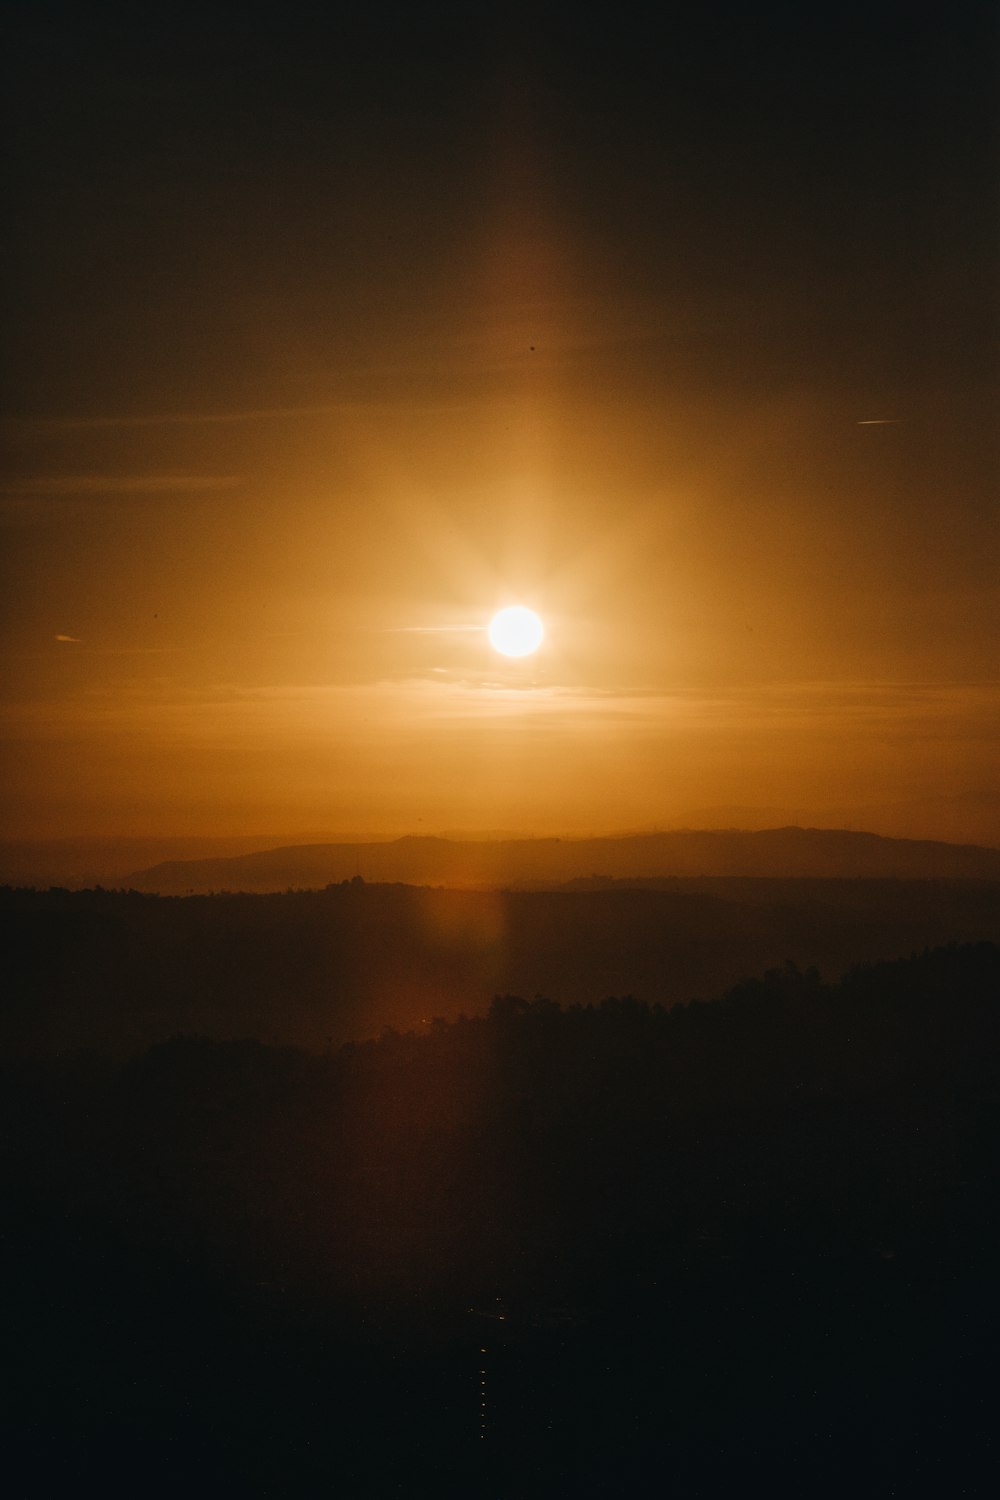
(516, 631)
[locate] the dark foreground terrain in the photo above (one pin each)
(748, 1246)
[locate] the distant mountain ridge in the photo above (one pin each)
(787, 853)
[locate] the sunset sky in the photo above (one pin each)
(326, 338)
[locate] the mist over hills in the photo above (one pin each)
(790, 852)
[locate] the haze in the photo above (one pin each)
(325, 344)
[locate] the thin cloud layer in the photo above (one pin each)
(51, 486)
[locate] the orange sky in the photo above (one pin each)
(303, 420)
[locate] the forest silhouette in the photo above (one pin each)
(116, 971)
(596, 1249)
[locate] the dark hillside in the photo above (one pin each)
(538, 1252)
(117, 971)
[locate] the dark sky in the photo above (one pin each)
(326, 334)
(205, 201)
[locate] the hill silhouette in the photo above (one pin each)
(117, 971)
(775, 852)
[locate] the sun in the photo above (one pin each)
(516, 631)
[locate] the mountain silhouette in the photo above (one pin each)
(775, 852)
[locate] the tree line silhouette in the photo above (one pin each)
(753, 1237)
(116, 971)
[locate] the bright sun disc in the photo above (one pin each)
(516, 631)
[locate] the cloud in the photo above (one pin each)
(434, 630)
(74, 638)
(547, 332)
(187, 418)
(48, 486)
